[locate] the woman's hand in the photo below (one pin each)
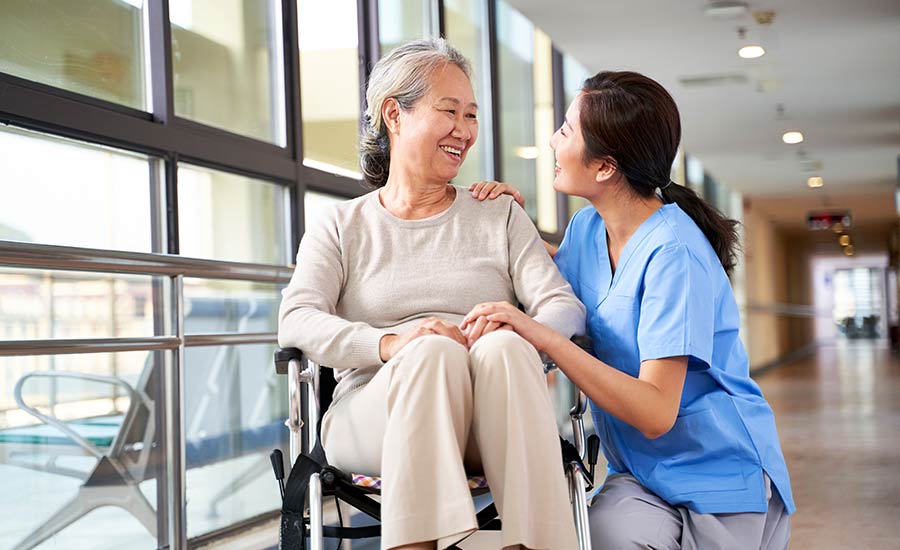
(479, 327)
(493, 189)
(391, 344)
(537, 334)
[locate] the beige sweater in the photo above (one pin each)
(364, 273)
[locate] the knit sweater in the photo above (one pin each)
(364, 273)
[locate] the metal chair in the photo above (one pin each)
(310, 387)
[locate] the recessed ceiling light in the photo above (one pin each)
(752, 51)
(848, 250)
(844, 240)
(815, 181)
(528, 152)
(792, 137)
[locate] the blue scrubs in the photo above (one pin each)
(670, 297)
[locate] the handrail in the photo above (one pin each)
(149, 343)
(45, 256)
(86, 345)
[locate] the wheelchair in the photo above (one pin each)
(311, 479)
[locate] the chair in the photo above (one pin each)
(357, 489)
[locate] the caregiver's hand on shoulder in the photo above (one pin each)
(493, 189)
(537, 334)
(391, 344)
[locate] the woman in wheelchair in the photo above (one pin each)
(379, 290)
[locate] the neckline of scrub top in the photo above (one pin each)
(634, 241)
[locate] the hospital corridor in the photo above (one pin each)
(449, 274)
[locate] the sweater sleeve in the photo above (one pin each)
(539, 287)
(307, 319)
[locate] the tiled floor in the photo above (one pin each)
(838, 415)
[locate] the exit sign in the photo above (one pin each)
(828, 219)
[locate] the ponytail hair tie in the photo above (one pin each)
(664, 187)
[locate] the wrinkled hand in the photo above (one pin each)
(480, 326)
(537, 334)
(391, 344)
(493, 189)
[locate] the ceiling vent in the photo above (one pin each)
(708, 80)
(725, 9)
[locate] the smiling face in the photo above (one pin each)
(573, 176)
(430, 141)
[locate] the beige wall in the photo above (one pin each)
(766, 284)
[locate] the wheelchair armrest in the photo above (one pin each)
(283, 357)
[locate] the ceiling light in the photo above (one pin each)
(725, 9)
(844, 240)
(751, 51)
(815, 181)
(848, 250)
(792, 137)
(528, 152)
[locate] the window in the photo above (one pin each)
(526, 116)
(329, 85)
(466, 29)
(574, 75)
(93, 48)
(224, 216)
(400, 21)
(227, 65)
(64, 192)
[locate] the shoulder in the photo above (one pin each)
(490, 207)
(678, 236)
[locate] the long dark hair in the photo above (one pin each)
(632, 121)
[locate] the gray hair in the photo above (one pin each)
(405, 75)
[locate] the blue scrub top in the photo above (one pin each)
(670, 297)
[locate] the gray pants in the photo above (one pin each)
(625, 516)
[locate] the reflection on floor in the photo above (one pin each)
(838, 415)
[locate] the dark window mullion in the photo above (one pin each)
(494, 57)
(294, 118)
(159, 40)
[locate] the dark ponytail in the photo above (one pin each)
(721, 232)
(633, 122)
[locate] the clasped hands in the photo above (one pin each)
(483, 319)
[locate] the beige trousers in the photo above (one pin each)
(435, 411)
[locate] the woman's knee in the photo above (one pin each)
(503, 347)
(434, 355)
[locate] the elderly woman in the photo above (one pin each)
(378, 293)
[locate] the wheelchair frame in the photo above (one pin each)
(304, 384)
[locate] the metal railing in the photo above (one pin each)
(176, 268)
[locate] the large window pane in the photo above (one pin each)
(400, 21)
(224, 216)
(466, 28)
(218, 306)
(574, 75)
(235, 407)
(93, 47)
(526, 115)
(329, 84)
(227, 64)
(58, 191)
(40, 304)
(45, 470)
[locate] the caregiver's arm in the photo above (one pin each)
(649, 402)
